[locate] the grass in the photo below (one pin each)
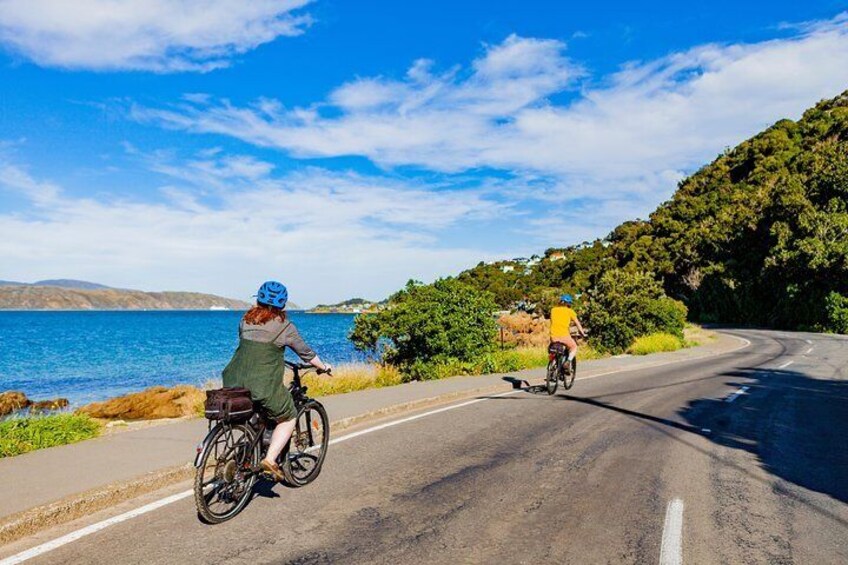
(351, 377)
(656, 343)
(20, 435)
(695, 335)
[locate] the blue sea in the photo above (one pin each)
(90, 356)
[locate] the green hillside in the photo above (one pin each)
(759, 236)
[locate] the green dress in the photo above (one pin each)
(259, 367)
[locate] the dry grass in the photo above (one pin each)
(523, 330)
(351, 377)
(150, 404)
(695, 335)
(586, 352)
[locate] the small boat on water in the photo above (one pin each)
(218, 308)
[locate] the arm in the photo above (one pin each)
(579, 327)
(290, 337)
(320, 365)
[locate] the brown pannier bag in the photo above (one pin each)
(228, 404)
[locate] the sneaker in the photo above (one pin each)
(272, 469)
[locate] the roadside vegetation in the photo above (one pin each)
(656, 343)
(448, 328)
(351, 377)
(20, 435)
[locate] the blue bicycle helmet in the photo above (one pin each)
(273, 293)
(566, 298)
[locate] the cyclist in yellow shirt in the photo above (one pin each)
(561, 318)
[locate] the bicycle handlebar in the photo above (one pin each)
(306, 367)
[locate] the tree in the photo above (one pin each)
(440, 322)
(628, 304)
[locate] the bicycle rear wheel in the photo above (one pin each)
(568, 379)
(305, 453)
(552, 376)
(224, 480)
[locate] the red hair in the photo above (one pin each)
(261, 314)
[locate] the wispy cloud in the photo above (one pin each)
(147, 35)
(662, 115)
(329, 233)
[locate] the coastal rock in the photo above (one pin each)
(48, 405)
(11, 401)
(150, 404)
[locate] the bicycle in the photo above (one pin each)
(559, 369)
(227, 461)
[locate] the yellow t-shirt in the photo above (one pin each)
(561, 318)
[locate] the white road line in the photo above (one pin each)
(93, 528)
(736, 394)
(671, 551)
(418, 416)
(785, 364)
(88, 530)
(807, 341)
(807, 352)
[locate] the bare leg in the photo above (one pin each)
(572, 347)
(279, 439)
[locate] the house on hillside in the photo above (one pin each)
(508, 268)
(556, 256)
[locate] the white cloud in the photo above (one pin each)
(329, 235)
(149, 35)
(594, 150)
(669, 114)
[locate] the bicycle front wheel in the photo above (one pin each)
(225, 478)
(551, 377)
(304, 456)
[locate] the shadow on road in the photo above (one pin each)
(796, 425)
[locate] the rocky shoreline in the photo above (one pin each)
(157, 402)
(15, 401)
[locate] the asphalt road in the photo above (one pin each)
(757, 475)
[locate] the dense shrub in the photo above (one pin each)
(444, 322)
(626, 305)
(836, 307)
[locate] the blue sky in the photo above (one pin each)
(345, 147)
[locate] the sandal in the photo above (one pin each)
(272, 469)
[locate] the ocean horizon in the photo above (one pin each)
(91, 355)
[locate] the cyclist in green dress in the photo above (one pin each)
(264, 333)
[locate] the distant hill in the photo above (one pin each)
(37, 297)
(71, 283)
(60, 283)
